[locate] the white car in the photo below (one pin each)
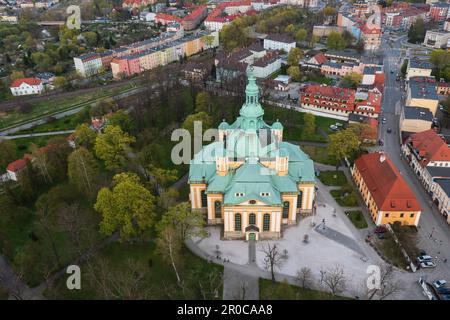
(333, 127)
(439, 283)
(428, 264)
(424, 258)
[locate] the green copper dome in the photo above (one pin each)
(251, 111)
(277, 125)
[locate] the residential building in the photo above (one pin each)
(137, 3)
(26, 86)
(415, 119)
(436, 39)
(277, 41)
(328, 99)
(225, 12)
(193, 19)
(443, 88)
(384, 191)
(421, 92)
(250, 181)
(371, 37)
(14, 169)
(267, 65)
(368, 103)
(429, 156)
(418, 68)
(341, 69)
(88, 64)
(439, 11)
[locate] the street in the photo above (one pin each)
(434, 232)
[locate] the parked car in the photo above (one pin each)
(383, 120)
(443, 290)
(439, 283)
(380, 229)
(424, 258)
(338, 124)
(428, 264)
(334, 127)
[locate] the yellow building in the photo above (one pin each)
(385, 192)
(250, 180)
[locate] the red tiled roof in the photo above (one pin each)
(195, 13)
(29, 81)
(17, 165)
(168, 17)
(373, 100)
(330, 91)
(320, 58)
(387, 187)
(430, 146)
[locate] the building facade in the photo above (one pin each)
(384, 191)
(26, 86)
(250, 180)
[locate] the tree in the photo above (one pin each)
(301, 35)
(417, 31)
(85, 136)
(60, 82)
(121, 119)
(272, 259)
(294, 56)
(335, 41)
(169, 246)
(309, 126)
(387, 284)
(335, 280)
(441, 60)
(41, 162)
(128, 207)
(161, 178)
(343, 144)
(7, 152)
(203, 102)
(186, 223)
(304, 276)
(314, 39)
(82, 170)
(404, 67)
(111, 147)
(294, 72)
(16, 75)
(234, 35)
(201, 117)
(42, 61)
(351, 80)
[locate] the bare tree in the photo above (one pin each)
(169, 245)
(273, 259)
(304, 276)
(388, 285)
(241, 292)
(335, 280)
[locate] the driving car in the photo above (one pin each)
(383, 120)
(428, 264)
(439, 283)
(443, 290)
(389, 130)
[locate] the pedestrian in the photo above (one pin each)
(445, 260)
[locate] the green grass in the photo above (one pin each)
(332, 178)
(345, 199)
(391, 251)
(318, 154)
(62, 124)
(51, 105)
(158, 273)
(357, 218)
(283, 291)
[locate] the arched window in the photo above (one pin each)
(218, 209)
(204, 199)
(266, 222)
(285, 209)
(252, 219)
(237, 222)
(299, 199)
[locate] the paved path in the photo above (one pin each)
(338, 237)
(38, 134)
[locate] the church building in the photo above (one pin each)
(250, 180)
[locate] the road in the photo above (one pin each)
(431, 221)
(39, 134)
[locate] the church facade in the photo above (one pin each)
(250, 180)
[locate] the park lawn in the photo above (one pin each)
(345, 200)
(357, 218)
(282, 291)
(159, 275)
(318, 154)
(332, 178)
